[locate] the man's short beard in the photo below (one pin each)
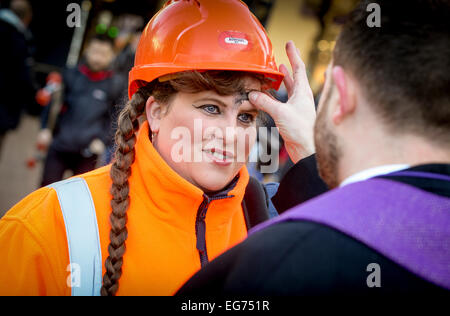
(328, 153)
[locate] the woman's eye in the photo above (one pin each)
(246, 118)
(211, 109)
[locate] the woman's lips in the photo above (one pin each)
(219, 157)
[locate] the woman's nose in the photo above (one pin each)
(230, 129)
(223, 131)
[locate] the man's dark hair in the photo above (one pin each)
(403, 66)
(102, 38)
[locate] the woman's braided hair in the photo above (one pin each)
(222, 82)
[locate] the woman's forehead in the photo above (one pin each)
(234, 99)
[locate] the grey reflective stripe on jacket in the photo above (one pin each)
(83, 238)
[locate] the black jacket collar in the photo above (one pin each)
(436, 186)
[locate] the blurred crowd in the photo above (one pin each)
(79, 104)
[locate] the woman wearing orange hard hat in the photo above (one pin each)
(172, 199)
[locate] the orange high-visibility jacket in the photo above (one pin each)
(161, 251)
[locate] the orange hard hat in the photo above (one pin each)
(203, 35)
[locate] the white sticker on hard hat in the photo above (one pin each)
(234, 40)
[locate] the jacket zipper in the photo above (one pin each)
(200, 226)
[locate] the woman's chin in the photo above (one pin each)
(212, 186)
(213, 180)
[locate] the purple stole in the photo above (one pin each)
(407, 225)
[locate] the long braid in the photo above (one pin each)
(128, 125)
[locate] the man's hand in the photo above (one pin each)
(295, 118)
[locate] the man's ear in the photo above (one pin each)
(153, 111)
(346, 92)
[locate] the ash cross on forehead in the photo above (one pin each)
(242, 96)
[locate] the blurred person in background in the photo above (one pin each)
(83, 127)
(127, 45)
(16, 84)
(125, 59)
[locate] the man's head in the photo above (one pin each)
(386, 84)
(99, 52)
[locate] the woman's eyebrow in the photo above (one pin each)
(238, 100)
(213, 100)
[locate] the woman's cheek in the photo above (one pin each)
(182, 136)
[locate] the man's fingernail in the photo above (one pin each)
(252, 96)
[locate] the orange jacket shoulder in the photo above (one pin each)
(34, 241)
(34, 247)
